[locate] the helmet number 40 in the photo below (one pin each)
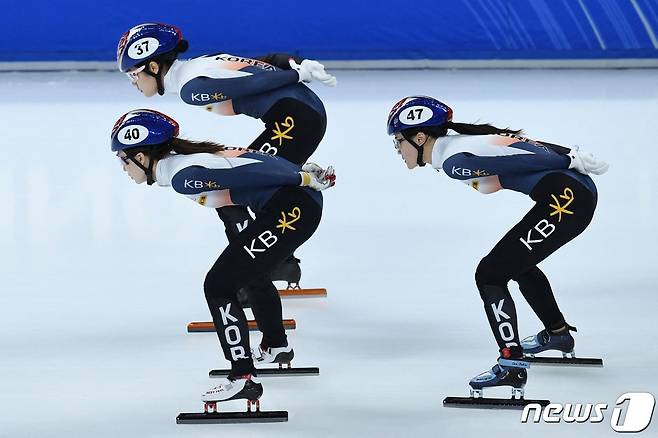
(132, 134)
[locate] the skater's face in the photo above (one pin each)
(129, 166)
(408, 153)
(143, 81)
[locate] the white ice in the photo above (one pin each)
(100, 276)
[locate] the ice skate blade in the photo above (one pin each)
(565, 361)
(209, 326)
(274, 372)
(490, 403)
(302, 293)
(232, 417)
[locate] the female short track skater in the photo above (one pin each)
(490, 159)
(270, 88)
(289, 208)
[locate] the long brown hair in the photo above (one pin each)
(177, 146)
(461, 128)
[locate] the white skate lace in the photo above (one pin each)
(220, 388)
(257, 353)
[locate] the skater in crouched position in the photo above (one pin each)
(287, 200)
(270, 88)
(490, 159)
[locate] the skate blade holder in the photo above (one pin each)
(281, 371)
(517, 393)
(478, 401)
(211, 416)
(295, 291)
(568, 359)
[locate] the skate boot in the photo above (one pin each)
(507, 372)
(548, 340)
(240, 387)
(278, 355)
(289, 271)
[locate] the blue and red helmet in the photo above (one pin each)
(416, 111)
(142, 127)
(146, 41)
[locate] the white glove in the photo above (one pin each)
(586, 163)
(316, 177)
(316, 170)
(310, 70)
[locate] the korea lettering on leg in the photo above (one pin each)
(232, 333)
(505, 329)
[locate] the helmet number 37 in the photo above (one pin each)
(143, 47)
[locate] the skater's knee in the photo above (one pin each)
(218, 285)
(209, 285)
(488, 273)
(528, 275)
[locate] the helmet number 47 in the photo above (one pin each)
(410, 115)
(416, 115)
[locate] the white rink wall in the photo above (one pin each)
(100, 276)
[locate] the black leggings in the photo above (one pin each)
(563, 209)
(288, 219)
(293, 130)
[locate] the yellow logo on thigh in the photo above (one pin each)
(560, 209)
(281, 134)
(285, 223)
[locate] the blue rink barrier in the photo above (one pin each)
(77, 30)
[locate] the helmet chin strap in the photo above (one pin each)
(157, 76)
(148, 171)
(419, 148)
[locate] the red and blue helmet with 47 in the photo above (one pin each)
(416, 111)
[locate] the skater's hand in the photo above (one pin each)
(320, 173)
(316, 170)
(310, 70)
(316, 177)
(586, 163)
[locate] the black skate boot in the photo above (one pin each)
(545, 340)
(509, 371)
(289, 271)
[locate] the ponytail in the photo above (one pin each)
(177, 146)
(460, 128)
(483, 129)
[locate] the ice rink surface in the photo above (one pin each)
(100, 276)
